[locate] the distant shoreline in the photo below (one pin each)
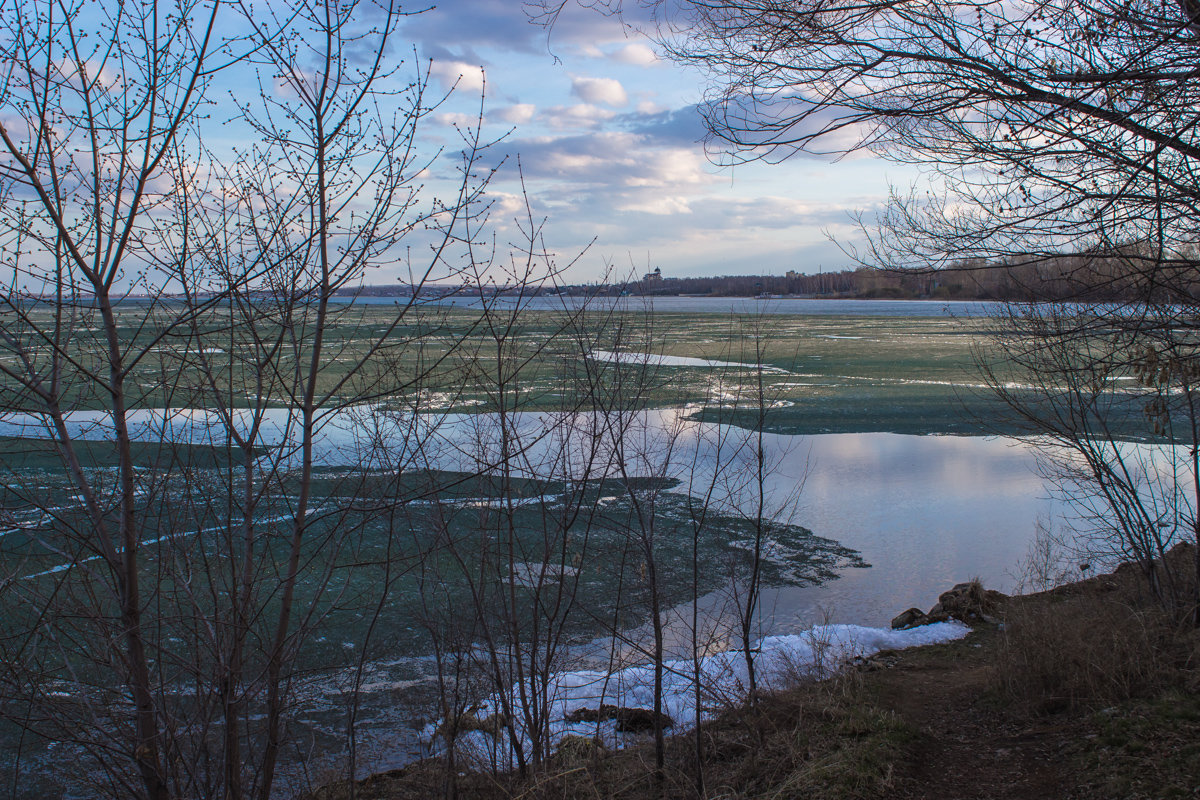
(433, 293)
(668, 304)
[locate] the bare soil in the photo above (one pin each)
(966, 745)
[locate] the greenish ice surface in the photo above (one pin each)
(821, 374)
(393, 559)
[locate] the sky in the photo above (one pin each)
(611, 148)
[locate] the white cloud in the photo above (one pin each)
(579, 116)
(635, 53)
(611, 161)
(576, 166)
(515, 114)
(455, 118)
(650, 107)
(460, 74)
(659, 205)
(505, 204)
(671, 167)
(608, 91)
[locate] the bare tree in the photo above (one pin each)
(178, 359)
(517, 551)
(92, 126)
(768, 513)
(1110, 405)
(1059, 143)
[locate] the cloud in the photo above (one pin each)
(657, 204)
(505, 205)
(635, 53)
(436, 52)
(670, 167)
(458, 119)
(458, 74)
(515, 114)
(680, 126)
(607, 91)
(705, 232)
(505, 25)
(766, 212)
(473, 23)
(611, 160)
(578, 116)
(772, 126)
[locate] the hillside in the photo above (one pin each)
(1081, 692)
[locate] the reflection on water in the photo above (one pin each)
(925, 511)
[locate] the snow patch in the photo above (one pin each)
(661, 360)
(778, 661)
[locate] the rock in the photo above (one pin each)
(629, 720)
(908, 619)
(637, 720)
(492, 723)
(968, 602)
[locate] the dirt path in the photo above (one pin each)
(969, 749)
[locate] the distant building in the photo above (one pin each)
(653, 277)
(792, 275)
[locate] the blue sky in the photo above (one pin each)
(610, 144)
(609, 141)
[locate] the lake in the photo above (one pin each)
(863, 395)
(925, 511)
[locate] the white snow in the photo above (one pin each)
(147, 543)
(661, 360)
(779, 661)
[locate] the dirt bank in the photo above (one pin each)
(1084, 692)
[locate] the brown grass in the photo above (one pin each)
(1120, 679)
(1144, 749)
(819, 741)
(1089, 648)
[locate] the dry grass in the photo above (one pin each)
(820, 740)
(1144, 749)
(1071, 650)
(1121, 679)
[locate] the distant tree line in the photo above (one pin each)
(1111, 275)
